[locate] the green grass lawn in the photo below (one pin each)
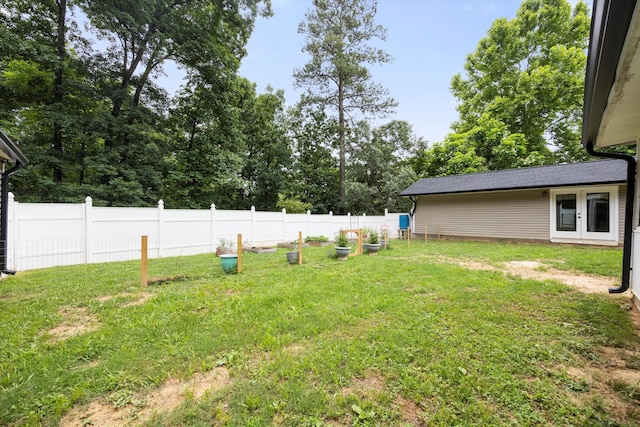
(403, 338)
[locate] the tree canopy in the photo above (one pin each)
(520, 98)
(338, 36)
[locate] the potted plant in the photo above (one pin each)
(373, 244)
(317, 240)
(224, 247)
(342, 247)
(229, 263)
(292, 256)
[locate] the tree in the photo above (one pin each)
(314, 173)
(267, 152)
(528, 74)
(46, 98)
(380, 168)
(337, 36)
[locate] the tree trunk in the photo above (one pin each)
(59, 90)
(341, 143)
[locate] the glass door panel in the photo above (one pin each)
(566, 212)
(598, 213)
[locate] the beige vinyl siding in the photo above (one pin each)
(518, 214)
(622, 201)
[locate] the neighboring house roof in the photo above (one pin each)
(565, 175)
(9, 151)
(612, 84)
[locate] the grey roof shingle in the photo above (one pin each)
(565, 175)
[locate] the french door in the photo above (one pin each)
(585, 214)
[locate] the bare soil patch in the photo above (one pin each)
(142, 297)
(604, 380)
(162, 400)
(76, 321)
(535, 270)
(411, 413)
(364, 387)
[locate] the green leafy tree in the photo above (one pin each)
(268, 154)
(379, 167)
(227, 148)
(314, 174)
(338, 33)
(46, 99)
(528, 73)
(206, 37)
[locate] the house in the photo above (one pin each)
(611, 115)
(568, 203)
(9, 154)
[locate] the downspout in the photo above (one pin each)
(4, 211)
(628, 214)
(413, 208)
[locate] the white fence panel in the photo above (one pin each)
(46, 235)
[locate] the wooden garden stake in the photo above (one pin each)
(384, 238)
(299, 247)
(425, 234)
(144, 265)
(408, 236)
(438, 232)
(239, 253)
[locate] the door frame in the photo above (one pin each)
(581, 235)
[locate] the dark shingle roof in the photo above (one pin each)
(584, 173)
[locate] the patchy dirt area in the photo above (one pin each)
(76, 321)
(141, 408)
(138, 298)
(538, 271)
(614, 378)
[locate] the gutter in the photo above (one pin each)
(628, 213)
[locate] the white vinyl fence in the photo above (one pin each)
(45, 235)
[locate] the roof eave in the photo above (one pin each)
(609, 79)
(12, 152)
(491, 190)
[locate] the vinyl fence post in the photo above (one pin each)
(252, 237)
(10, 246)
(213, 227)
(160, 227)
(284, 225)
(144, 266)
(88, 229)
(330, 224)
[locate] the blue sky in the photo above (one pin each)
(428, 39)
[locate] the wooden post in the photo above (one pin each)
(299, 247)
(438, 231)
(144, 265)
(239, 253)
(408, 236)
(384, 238)
(425, 234)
